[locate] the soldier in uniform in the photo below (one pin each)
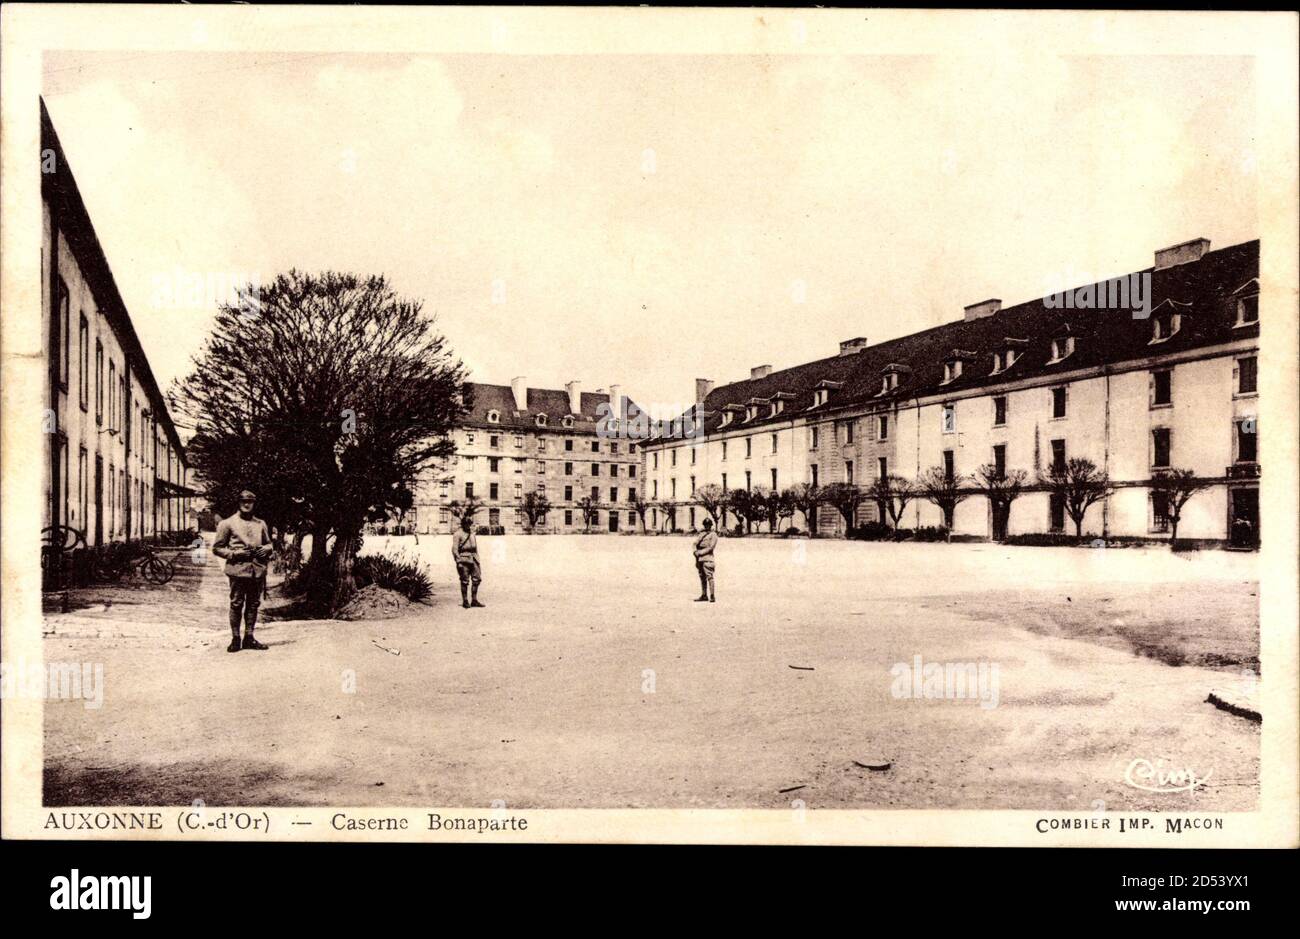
(244, 541)
(704, 546)
(464, 551)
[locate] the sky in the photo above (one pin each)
(647, 220)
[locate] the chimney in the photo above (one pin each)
(574, 388)
(977, 311)
(520, 388)
(702, 388)
(760, 371)
(1184, 253)
(852, 346)
(616, 400)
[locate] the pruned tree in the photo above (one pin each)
(749, 506)
(461, 508)
(945, 491)
(535, 505)
(590, 509)
(892, 495)
(845, 498)
(640, 506)
(1001, 488)
(805, 498)
(712, 498)
(1079, 484)
(1175, 487)
(328, 392)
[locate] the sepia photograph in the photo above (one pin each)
(782, 426)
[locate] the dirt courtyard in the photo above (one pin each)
(592, 679)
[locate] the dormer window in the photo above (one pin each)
(1248, 310)
(820, 397)
(953, 367)
(1008, 356)
(1165, 326)
(541, 420)
(778, 402)
(752, 407)
(729, 411)
(1062, 348)
(494, 417)
(567, 420)
(889, 378)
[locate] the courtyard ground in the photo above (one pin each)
(592, 679)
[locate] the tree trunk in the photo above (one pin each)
(1078, 527)
(345, 551)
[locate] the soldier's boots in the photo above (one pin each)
(234, 645)
(251, 643)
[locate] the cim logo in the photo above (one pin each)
(76, 892)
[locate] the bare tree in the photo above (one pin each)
(640, 506)
(844, 497)
(1175, 487)
(535, 505)
(470, 506)
(712, 498)
(805, 498)
(892, 495)
(1001, 489)
(945, 490)
(1079, 484)
(590, 511)
(750, 506)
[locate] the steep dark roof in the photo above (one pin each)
(1203, 291)
(554, 403)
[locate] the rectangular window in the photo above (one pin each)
(595, 493)
(613, 448)
(444, 515)
(1000, 459)
(613, 493)
(541, 467)
(654, 489)
(694, 453)
(469, 490)
(83, 361)
(469, 438)
(1058, 402)
(674, 457)
(1058, 454)
(631, 494)
(1247, 377)
(112, 394)
(692, 485)
(595, 446)
(774, 489)
(494, 518)
(1056, 512)
(813, 469)
(882, 467)
(1162, 387)
(882, 427)
(1247, 441)
(83, 501)
(568, 445)
(749, 447)
(493, 491)
(568, 469)
(949, 418)
(813, 439)
(1161, 444)
(631, 471)
(1000, 411)
(774, 443)
(519, 465)
(948, 464)
(1159, 511)
(673, 483)
(519, 442)
(724, 449)
(468, 461)
(99, 382)
(848, 432)
(519, 491)
(724, 482)
(568, 516)
(1248, 310)
(494, 441)
(568, 493)
(848, 471)
(749, 484)
(494, 464)
(595, 469)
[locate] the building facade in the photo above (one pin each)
(516, 440)
(1139, 381)
(115, 468)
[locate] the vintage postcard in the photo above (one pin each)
(646, 425)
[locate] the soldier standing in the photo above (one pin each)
(464, 551)
(704, 546)
(244, 541)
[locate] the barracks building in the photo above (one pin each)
(515, 440)
(1171, 383)
(115, 468)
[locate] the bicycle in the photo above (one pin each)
(119, 559)
(57, 542)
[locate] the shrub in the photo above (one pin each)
(791, 532)
(930, 533)
(871, 531)
(394, 573)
